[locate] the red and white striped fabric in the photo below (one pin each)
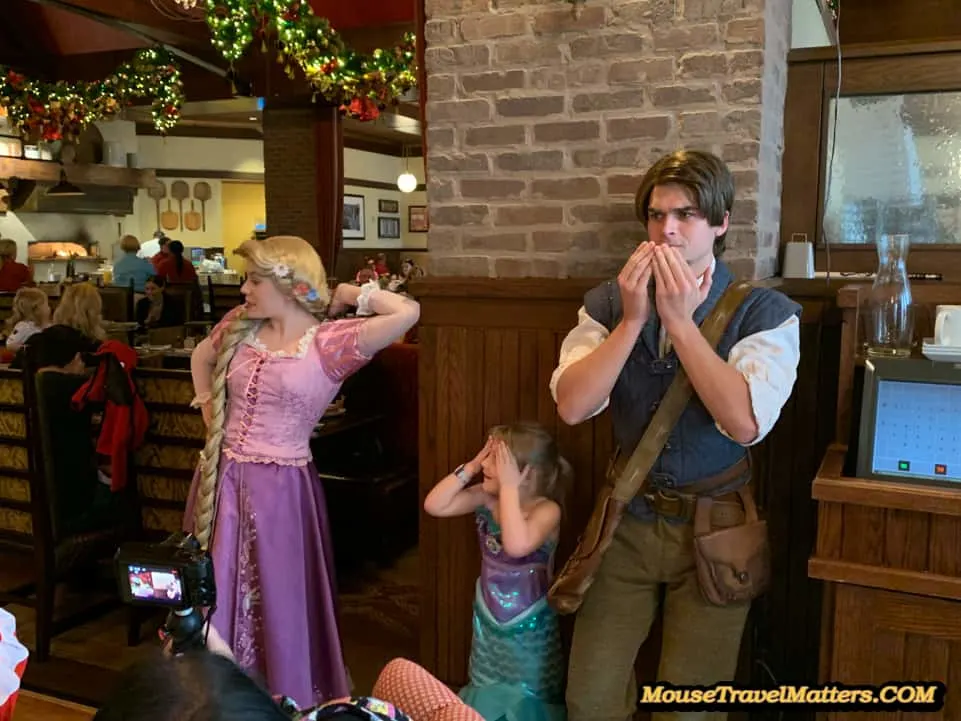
(13, 661)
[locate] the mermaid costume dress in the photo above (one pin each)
(516, 665)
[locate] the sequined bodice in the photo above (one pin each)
(510, 585)
(275, 399)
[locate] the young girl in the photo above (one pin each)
(516, 664)
(31, 314)
(263, 378)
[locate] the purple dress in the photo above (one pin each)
(273, 564)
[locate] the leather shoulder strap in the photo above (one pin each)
(676, 398)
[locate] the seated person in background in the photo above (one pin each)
(58, 355)
(380, 265)
(57, 347)
(131, 268)
(13, 275)
(158, 309)
(81, 307)
(174, 267)
(31, 314)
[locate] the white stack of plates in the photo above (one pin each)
(940, 353)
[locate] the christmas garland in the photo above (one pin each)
(362, 85)
(61, 110)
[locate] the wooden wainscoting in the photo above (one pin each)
(16, 523)
(165, 463)
(488, 348)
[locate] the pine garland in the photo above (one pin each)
(362, 85)
(61, 110)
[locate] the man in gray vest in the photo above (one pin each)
(632, 334)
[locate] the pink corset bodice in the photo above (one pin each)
(275, 399)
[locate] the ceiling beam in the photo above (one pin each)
(138, 17)
(368, 13)
(30, 53)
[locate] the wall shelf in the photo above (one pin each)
(49, 171)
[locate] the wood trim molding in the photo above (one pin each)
(872, 50)
(211, 174)
(81, 174)
(888, 495)
(889, 579)
(572, 289)
(375, 184)
(382, 146)
(221, 132)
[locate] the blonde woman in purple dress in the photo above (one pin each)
(263, 378)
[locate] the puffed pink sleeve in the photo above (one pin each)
(337, 344)
(217, 334)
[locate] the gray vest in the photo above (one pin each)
(695, 448)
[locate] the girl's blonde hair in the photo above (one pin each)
(532, 445)
(82, 308)
(294, 266)
(28, 304)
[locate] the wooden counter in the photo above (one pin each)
(886, 552)
(890, 554)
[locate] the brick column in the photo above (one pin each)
(541, 124)
(304, 176)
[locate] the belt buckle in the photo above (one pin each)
(669, 503)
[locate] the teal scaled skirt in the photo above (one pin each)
(516, 668)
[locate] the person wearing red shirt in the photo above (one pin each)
(13, 275)
(161, 255)
(174, 267)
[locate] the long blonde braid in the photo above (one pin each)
(205, 503)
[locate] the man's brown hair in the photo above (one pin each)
(704, 176)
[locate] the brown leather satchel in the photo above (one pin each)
(571, 584)
(733, 564)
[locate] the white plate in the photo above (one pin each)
(940, 353)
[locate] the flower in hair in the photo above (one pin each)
(313, 295)
(280, 270)
(301, 288)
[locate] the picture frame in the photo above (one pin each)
(417, 219)
(353, 220)
(388, 227)
(385, 205)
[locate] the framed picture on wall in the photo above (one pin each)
(352, 225)
(417, 221)
(388, 206)
(388, 227)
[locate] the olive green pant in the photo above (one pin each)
(701, 642)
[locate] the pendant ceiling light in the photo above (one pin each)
(406, 181)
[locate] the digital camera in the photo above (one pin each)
(174, 574)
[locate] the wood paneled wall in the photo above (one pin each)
(488, 349)
(886, 21)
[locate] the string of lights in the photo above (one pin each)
(60, 111)
(361, 85)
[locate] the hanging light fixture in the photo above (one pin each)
(64, 188)
(406, 181)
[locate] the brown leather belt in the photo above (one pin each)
(680, 504)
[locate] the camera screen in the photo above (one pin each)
(160, 585)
